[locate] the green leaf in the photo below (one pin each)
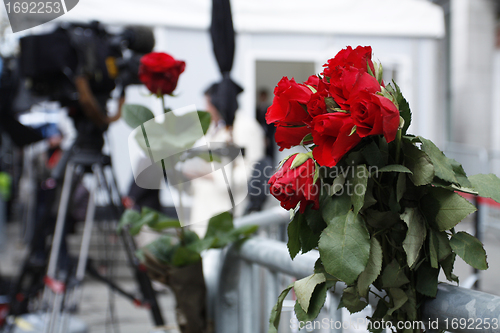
(372, 155)
(444, 248)
(453, 187)
(175, 134)
(335, 207)
(163, 248)
(274, 319)
(442, 166)
(419, 164)
(129, 217)
(316, 303)
(427, 280)
(393, 168)
(294, 244)
(136, 115)
(350, 300)
(398, 297)
(359, 186)
(337, 185)
(185, 256)
(304, 289)
(221, 223)
(470, 249)
(433, 249)
(205, 120)
(393, 276)
(344, 247)
(446, 208)
(460, 173)
(404, 108)
(447, 266)
(372, 270)
(314, 219)
(245, 230)
(486, 185)
(308, 238)
(415, 235)
(163, 222)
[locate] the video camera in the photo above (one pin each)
(50, 62)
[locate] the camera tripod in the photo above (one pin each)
(63, 289)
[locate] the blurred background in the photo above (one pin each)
(444, 55)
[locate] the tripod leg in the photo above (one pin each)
(50, 279)
(61, 220)
(141, 275)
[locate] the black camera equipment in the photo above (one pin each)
(51, 64)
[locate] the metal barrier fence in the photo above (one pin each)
(245, 280)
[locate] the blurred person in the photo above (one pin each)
(269, 129)
(207, 193)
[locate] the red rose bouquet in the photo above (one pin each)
(380, 205)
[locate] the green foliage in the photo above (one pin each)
(470, 249)
(174, 134)
(181, 246)
(372, 270)
(445, 209)
(415, 235)
(486, 185)
(136, 115)
(304, 289)
(344, 247)
(396, 234)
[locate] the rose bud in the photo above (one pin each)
(296, 182)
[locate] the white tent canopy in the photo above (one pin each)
(410, 18)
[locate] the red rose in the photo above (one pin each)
(160, 72)
(289, 103)
(289, 136)
(317, 105)
(342, 72)
(371, 113)
(291, 186)
(331, 133)
(312, 81)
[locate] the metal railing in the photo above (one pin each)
(245, 280)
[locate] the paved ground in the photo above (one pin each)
(95, 305)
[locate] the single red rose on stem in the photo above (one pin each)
(291, 186)
(372, 113)
(342, 72)
(160, 72)
(332, 133)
